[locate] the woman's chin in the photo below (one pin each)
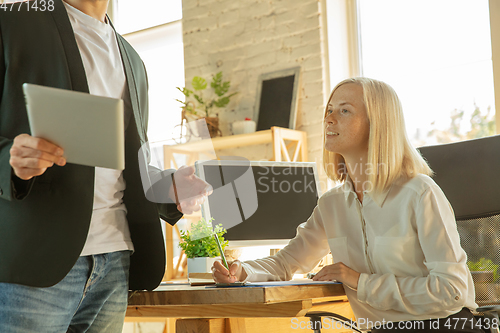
(332, 148)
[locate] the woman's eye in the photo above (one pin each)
(329, 112)
(343, 111)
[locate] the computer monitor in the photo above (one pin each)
(259, 203)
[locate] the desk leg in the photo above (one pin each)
(169, 248)
(200, 326)
(235, 325)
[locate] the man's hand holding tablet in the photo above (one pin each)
(30, 156)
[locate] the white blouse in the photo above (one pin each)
(404, 242)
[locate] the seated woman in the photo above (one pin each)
(390, 228)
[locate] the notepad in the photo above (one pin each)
(290, 283)
(273, 283)
(200, 279)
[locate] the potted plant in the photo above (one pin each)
(200, 246)
(485, 277)
(200, 106)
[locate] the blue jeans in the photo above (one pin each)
(91, 298)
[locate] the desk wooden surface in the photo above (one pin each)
(184, 301)
(187, 295)
(193, 306)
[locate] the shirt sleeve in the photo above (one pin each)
(302, 254)
(446, 285)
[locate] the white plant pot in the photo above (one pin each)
(200, 265)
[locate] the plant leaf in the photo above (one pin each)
(199, 99)
(216, 80)
(185, 91)
(199, 83)
(195, 246)
(222, 89)
(221, 102)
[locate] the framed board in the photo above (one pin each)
(277, 99)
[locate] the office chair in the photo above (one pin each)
(468, 172)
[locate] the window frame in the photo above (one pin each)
(494, 6)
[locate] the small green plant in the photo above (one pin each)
(484, 264)
(219, 100)
(200, 242)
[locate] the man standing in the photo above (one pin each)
(67, 231)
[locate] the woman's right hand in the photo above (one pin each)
(222, 275)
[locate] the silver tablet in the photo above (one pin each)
(89, 128)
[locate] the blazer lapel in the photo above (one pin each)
(132, 86)
(74, 61)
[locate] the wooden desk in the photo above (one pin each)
(240, 309)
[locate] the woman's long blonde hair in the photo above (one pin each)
(390, 153)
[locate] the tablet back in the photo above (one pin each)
(89, 128)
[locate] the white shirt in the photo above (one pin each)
(103, 65)
(404, 242)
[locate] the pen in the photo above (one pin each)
(223, 257)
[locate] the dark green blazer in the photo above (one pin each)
(44, 222)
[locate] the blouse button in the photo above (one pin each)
(457, 297)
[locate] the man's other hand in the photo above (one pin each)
(189, 191)
(30, 157)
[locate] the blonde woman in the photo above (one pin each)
(389, 227)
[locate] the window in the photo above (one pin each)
(162, 51)
(154, 29)
(133, 15)
(437, 55)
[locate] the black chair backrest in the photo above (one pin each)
(468, 172)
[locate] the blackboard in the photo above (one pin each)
(277, 99)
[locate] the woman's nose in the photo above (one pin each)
(330, 119)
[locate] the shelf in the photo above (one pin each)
(225, 142)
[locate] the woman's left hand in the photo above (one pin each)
(340, 273)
